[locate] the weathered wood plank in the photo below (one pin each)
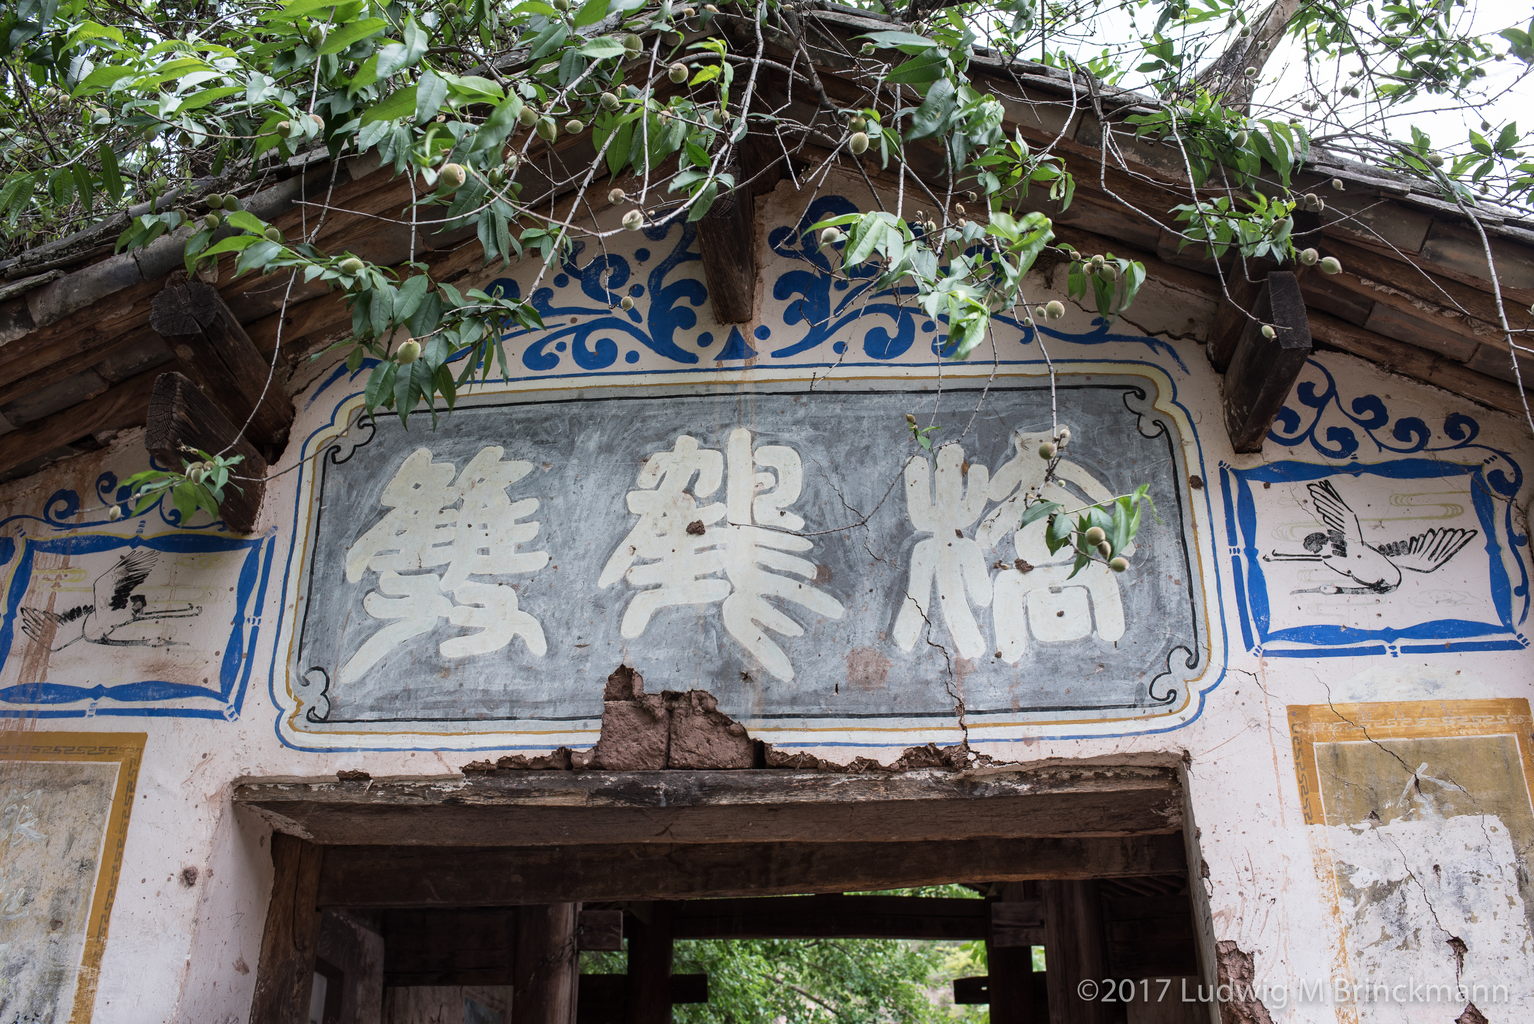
(292, 936)
(1263, 370)
(355, 948)
(410, 876)
(1420, 364)
(749, 806)
(118, 408)
(182, 421)
(218, 354)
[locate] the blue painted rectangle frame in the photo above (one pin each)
(40, 699)
(1321, 641)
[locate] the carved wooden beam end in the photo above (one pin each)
(1263, 370)
(220, 356)
(727, 240)
(181, 417)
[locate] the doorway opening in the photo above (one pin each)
(1056, 895)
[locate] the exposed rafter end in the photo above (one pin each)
(1263, 370)
(182, 421)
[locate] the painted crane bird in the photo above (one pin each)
(115, 606)
(1371, 568)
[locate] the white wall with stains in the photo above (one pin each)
(1354, 722)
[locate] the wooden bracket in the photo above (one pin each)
(727, 241)
(181, 417)
(1243, 282)
(1263, 370)
(220, 356)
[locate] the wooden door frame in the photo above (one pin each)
(534, 837)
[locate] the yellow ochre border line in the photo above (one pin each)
(1352, 723)
(126, 749)
(341, 414)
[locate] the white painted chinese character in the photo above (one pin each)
(946, 557)
(471, 526)
(1045, 600)
(679, 548)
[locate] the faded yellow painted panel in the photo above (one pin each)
(1422, 827)
(65, 800)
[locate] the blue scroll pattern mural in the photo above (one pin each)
(1436, 566)
(78, 583)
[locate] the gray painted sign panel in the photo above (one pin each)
(791, 552)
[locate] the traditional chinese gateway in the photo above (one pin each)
(677, 630)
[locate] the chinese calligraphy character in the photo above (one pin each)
(1047, 600)
(471, 526)
(678, 550)
(946, 557)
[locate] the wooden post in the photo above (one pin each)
(181, 417)
(1076, 950)
(649, 975)
(1009, 953)
(727, 242)
(292, 937)
(220, 356)
(1263, 370)
(546, 966)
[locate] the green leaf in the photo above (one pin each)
(380, 306)
(111, 177)
(245, 221)
(549, 40)
(256, 256)
(935, 111)
(591, 12)
(340, 38)
(393, 107)
(919, 70)
(380, 384)
(602, 47)
(430, 91)
(408, 299)
(706, 196)
(1038, 510)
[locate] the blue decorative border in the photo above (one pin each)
(60, 533)
(1335, 429)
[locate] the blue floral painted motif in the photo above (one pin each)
(1406, 435)
(605, 280)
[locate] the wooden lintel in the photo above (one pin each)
(290, 943)
(411, 876)
(755, 805)
(1263, 370)
(182, 421)
(220, 356)
(727, 242)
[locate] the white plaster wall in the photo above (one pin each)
(181, 952)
